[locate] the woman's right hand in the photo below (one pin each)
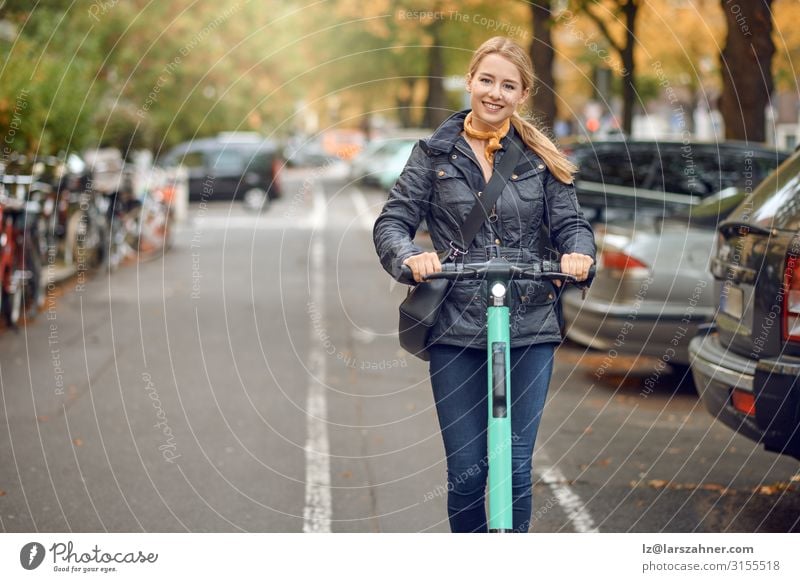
(423, 264)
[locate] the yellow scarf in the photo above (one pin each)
(493, 136)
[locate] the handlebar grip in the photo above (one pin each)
(555, 267)
(406, 276)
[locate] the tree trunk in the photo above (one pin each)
(629, 9)
(543, 103)
(404, 99)
(629, 76)
(746, 64)
(436, 104)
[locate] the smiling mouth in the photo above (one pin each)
(491, 106)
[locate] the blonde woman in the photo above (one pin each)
(440, 182)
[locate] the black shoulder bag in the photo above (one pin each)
(420, 309)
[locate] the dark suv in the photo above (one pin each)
(231, 166)
(746, 364)
(661, 177)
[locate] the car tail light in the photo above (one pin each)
(791, 299)
(744, 402)
(620, 264)
(277, 164)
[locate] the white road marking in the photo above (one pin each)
(366, 217)
(569, 501)
(319, 210)
(317, 512)
(363, 335)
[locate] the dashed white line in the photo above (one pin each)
(366, 218)
(317, 511)
(569, 501)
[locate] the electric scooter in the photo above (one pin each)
(498, 273)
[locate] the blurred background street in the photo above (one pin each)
(188, 401)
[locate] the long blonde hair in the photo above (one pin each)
(558, 164)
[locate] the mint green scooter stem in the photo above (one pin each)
(499, 426)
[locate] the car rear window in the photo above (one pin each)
(696, 169)
(226, 161)
(620, 166)
(776, 201)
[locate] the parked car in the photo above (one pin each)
(623, 177)
(307, 151)
(232, 166)
(746, 364)
(370, 165)
(653, 287)
(393, 166)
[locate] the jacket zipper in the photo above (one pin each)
(493, 216)
(470, 154)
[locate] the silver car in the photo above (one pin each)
(653, 285)
(369, 166)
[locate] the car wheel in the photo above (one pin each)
(256, 199)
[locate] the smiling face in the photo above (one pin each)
(495, 92)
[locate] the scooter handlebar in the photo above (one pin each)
(478, 271)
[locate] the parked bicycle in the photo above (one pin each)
(23, 281)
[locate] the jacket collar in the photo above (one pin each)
(446, 135)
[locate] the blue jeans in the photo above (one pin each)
(459, 381)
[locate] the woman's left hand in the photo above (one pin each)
(575, 264)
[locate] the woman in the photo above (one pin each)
(439, 183)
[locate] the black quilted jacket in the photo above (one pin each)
(439, 183)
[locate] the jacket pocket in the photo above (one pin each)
(530, 183)
(532, 308)
(532, 293)
(453, 195)
(463, 313)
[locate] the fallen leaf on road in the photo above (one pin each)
(347, 474)
(662, 484)
(2, 492)
(77, 442)
(778, 487)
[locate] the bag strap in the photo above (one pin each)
(480, 210)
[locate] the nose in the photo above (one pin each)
(494, 91)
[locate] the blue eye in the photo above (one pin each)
(485, 81)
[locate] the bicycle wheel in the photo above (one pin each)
(11, 301)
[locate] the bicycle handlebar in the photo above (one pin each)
(503, 269)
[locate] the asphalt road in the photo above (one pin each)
(251, 380)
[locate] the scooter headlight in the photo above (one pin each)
(498, 290)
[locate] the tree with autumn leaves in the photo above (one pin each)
(144, 74)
